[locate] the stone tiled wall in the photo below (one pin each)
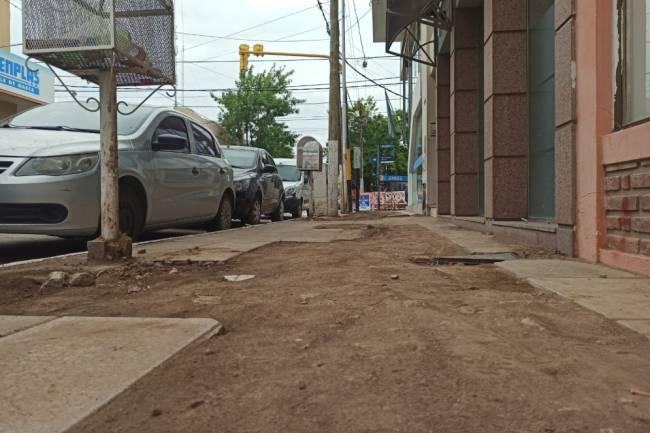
(565, 125)
(443, 135)
(627, 189)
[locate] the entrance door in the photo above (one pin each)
(541, 77)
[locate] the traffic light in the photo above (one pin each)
(244, 54)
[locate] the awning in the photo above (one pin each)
(402, 14)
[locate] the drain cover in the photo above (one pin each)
(466, 260)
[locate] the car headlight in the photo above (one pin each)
(59, 165)
(242, 185)
(290, 191)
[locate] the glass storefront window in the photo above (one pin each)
(637, 61)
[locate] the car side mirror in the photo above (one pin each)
(169, 143)
(268, 168)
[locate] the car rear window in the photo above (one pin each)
(241, 158)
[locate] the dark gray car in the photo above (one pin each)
(172, 172)
(258, 184)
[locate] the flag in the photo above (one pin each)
(391, 123)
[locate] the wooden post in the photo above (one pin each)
(334, 114)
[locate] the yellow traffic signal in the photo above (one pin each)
(258, 50)
(244, 54)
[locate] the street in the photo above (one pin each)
(14, 248)
(17, 248)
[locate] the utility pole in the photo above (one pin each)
(345, 198)
(334, 114)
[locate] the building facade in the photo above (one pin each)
(540, 129)
(20, 88)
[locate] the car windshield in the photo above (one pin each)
(71, 117)
(240, 158)
(289, 173)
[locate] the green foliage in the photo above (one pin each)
(366, 120)
(250, 113)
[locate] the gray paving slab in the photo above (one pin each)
(56, 374)
(621, 298)
(543, 268)
(640, 326)
(224, 246)
(12, 324)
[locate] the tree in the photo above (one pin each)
(366, 121)
(250, 113)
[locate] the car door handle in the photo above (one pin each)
(195, 171)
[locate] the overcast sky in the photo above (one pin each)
(302, 32)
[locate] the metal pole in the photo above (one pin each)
(344, 133)
(362, 186)
(110, 218)
(379, 177)
(334, 115)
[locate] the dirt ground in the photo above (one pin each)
(324, 339)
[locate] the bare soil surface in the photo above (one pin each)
(353, 337)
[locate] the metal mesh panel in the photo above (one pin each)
(83, 36)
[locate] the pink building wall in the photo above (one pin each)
(605, 157)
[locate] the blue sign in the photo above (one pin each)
(385, 159)
(395, 179)
(365, 202)
(16, 78)
(387, 146)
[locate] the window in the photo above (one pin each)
(174, 126)
(541, 109)
(70, 115)
(267, 159)
(240, 158)
(205, 145)
(636, 64)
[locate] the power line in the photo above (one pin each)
(356, 13)
(90, 89)
(372, 81)
(327, 23)
(254, 27)
(282, 40)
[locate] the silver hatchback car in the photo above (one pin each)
(172, 173)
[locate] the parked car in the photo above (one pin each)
(172, 173)
(258, 185)
(295, 187)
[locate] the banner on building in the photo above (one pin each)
(394, 200)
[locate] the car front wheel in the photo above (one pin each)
(254, 216)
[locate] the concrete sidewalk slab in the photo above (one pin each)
(617, 299)
(224, 246)
(554, 268)
(12, 324)
(56, 374)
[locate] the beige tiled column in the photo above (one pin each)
(443, 136)
(506, 109)
(464, 106)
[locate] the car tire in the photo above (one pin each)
(298, 212)
(132, 214)
(223, 220)
(254, 215)
(278, 214)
